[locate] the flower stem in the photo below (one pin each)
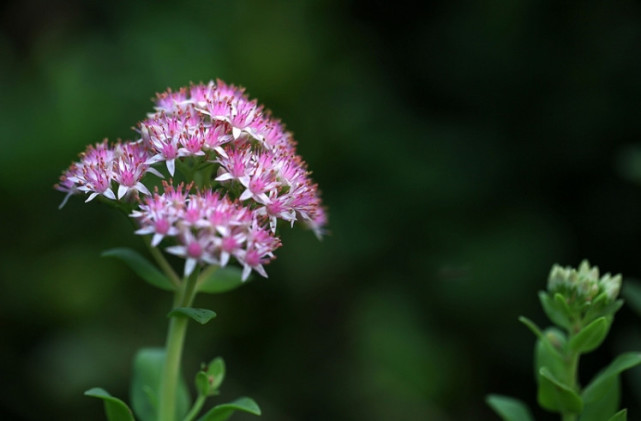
(164, 264)
(173, 350)
(196, 408)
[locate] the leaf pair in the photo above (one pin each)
(145, 385)
(209, 379)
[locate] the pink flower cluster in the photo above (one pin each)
(254, 178)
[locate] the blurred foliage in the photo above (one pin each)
(462, 148)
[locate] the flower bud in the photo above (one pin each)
(611, 286)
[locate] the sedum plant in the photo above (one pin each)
(209, 178)
(581, 304)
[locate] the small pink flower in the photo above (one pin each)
(129, 168)
(162, 134)
(168, 101)
(193, 249)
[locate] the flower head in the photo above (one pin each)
(240, 169)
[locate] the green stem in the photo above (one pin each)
(573, 370)
(163, 263)
(198, 405)
(175, 340)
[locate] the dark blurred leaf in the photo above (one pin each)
(222, 280)
(509, 409)
(622, 415)
(141, 266)
(632, 293)
(629, 163)
(115, 409)
(200, 315)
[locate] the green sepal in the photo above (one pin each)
(532, 326)
(145, 385)
(562, 305)
(200, 315)
(222, 280)
(226, 410)
(509, 409)
(622, 415)
(557, 396)
(601, 395)
(590, 337)
(599, 308)
(141, 266)
(555, 314)
(115, 409)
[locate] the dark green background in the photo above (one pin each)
(462, 149)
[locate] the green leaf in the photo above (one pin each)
(607, 403)
(222, 280)
(145, 385)
(509, 409)
(226, 410)
(622, 415)
(555, 314)
(201, 315)
(590, 337)
(142, 267)
(115, 409)
(557, 396)
(549, 352)
(203, 386)
(602, 381)
(532, 326)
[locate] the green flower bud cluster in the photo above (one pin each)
(584, 286)
(576, 297)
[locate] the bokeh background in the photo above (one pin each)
(462, 149)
